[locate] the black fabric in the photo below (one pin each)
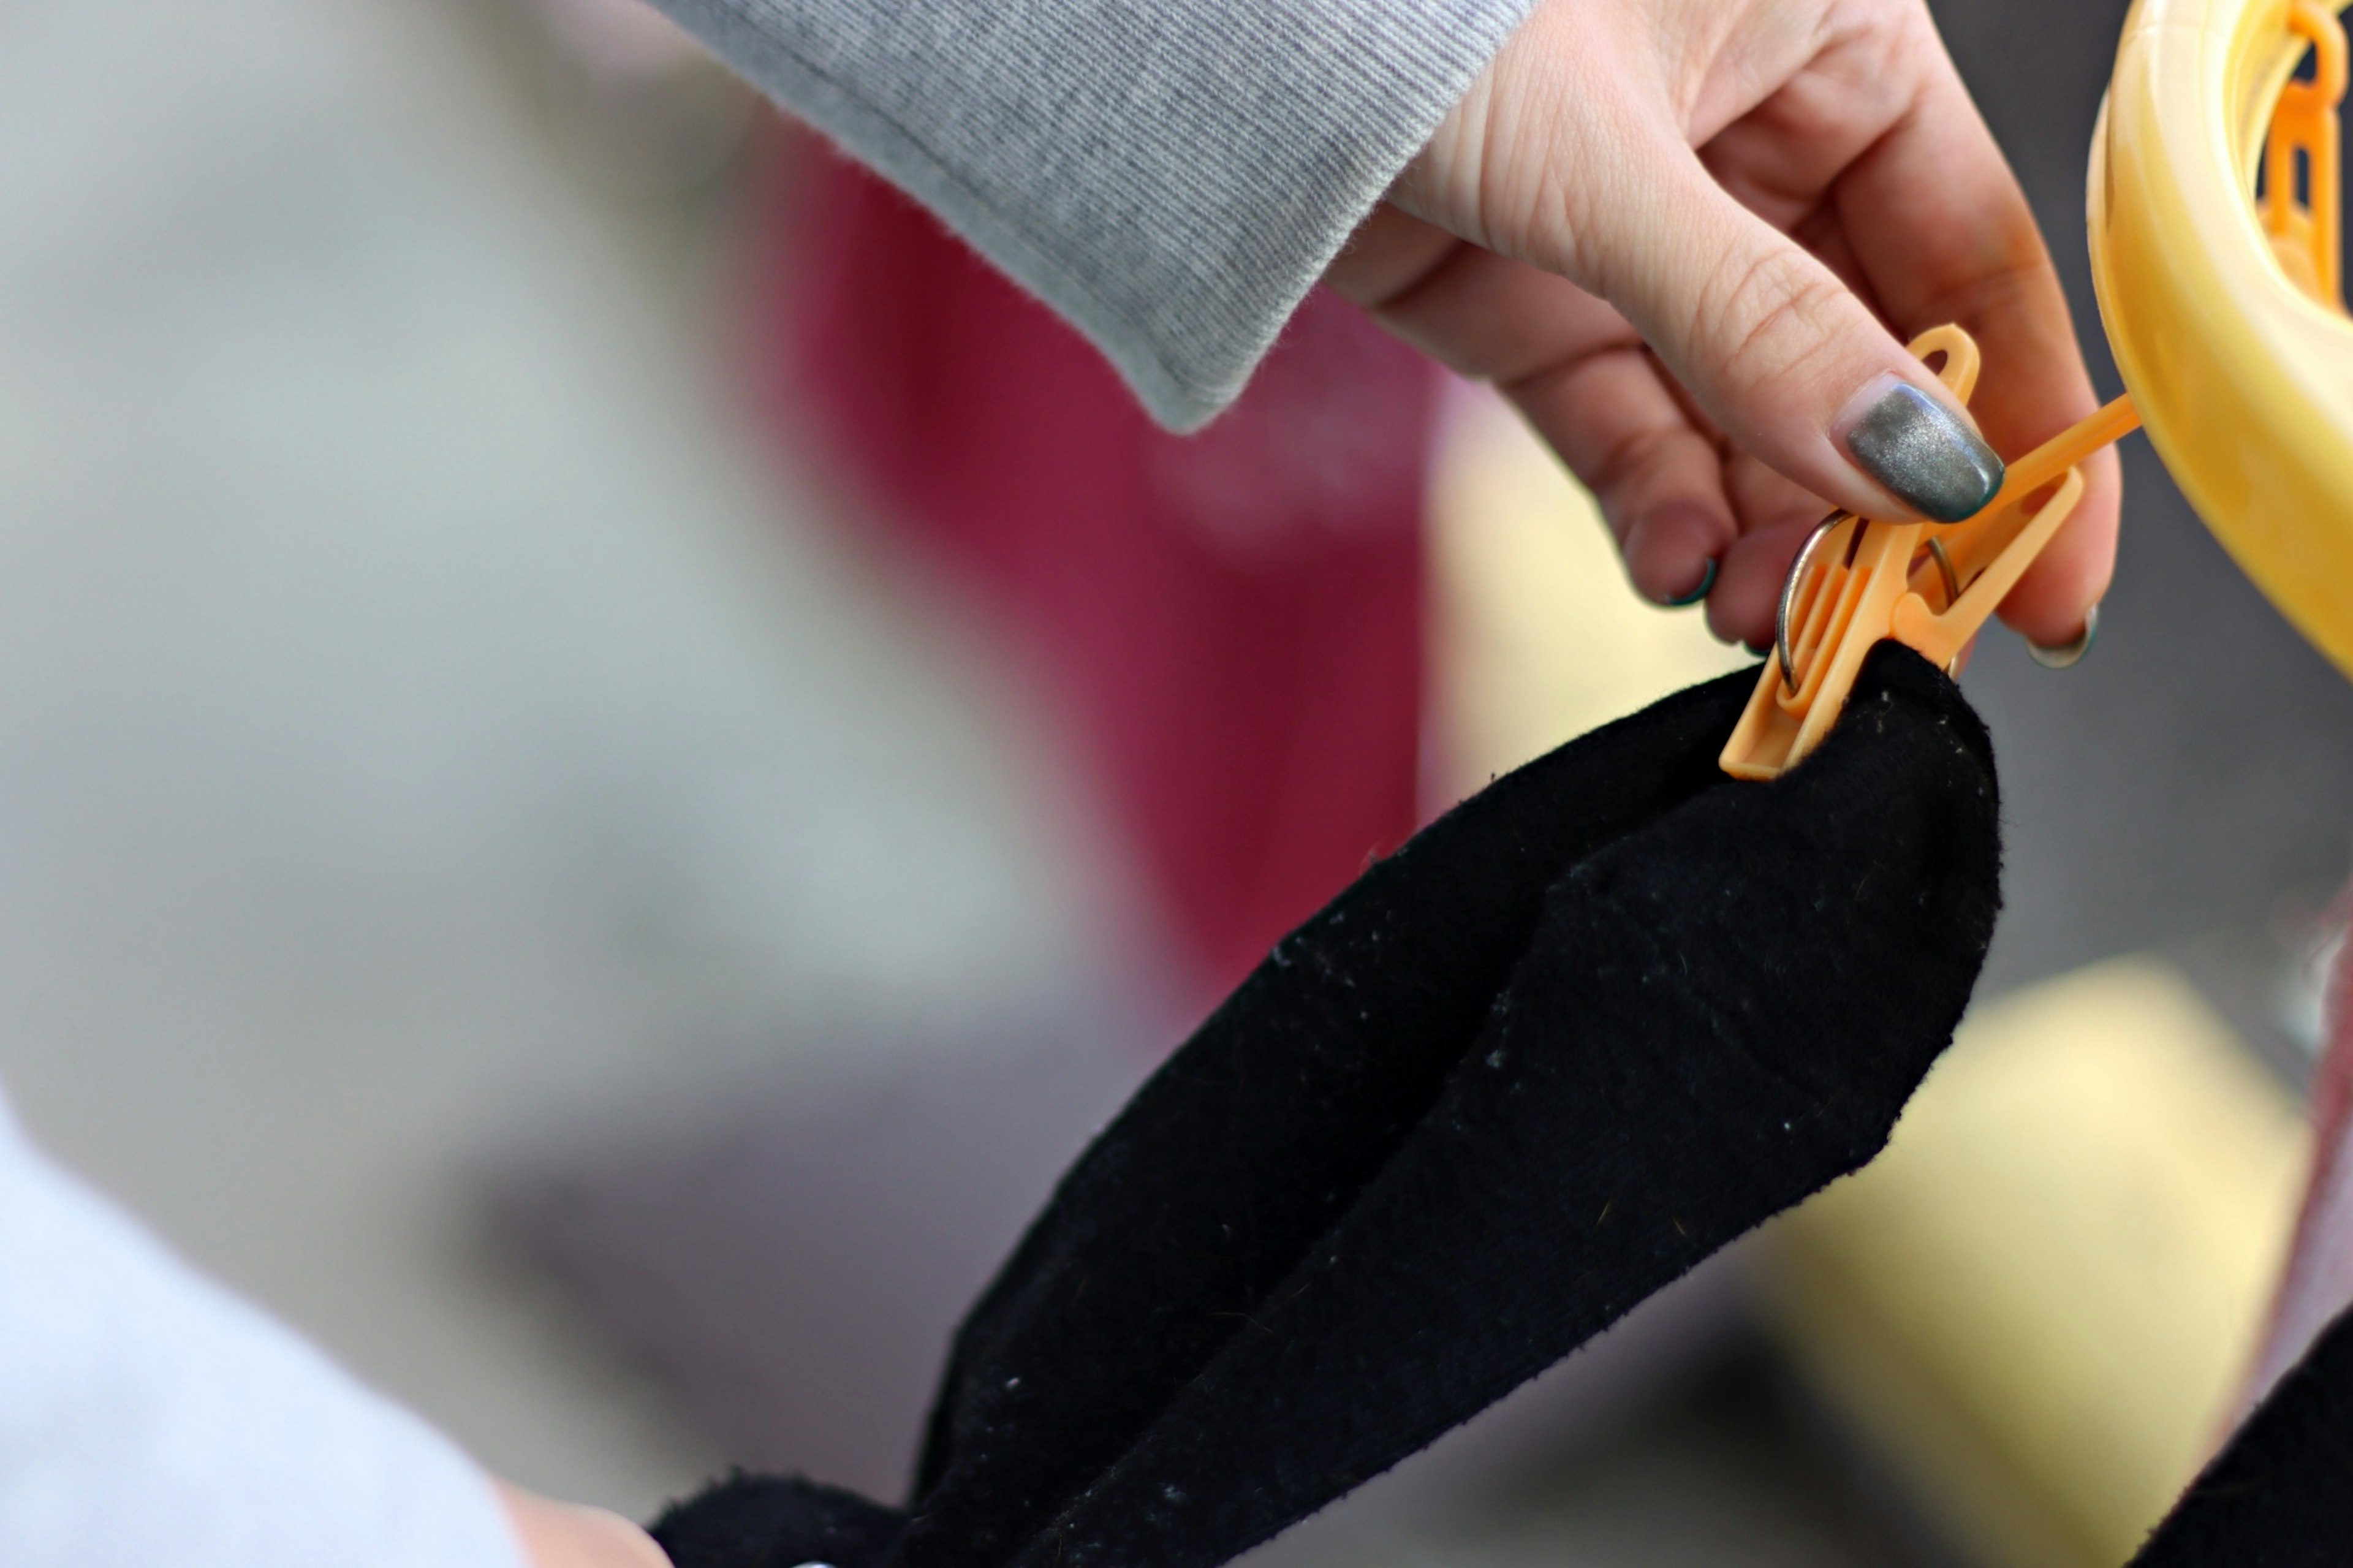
(757, 1522)
(2280, 1494)
(1578, 1034)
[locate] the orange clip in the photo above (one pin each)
(2303, 142)
(1930, 587)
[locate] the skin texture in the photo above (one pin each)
(561, 1535)
(1682, 235)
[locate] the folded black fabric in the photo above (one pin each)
(1578, 1034)
(751, 1522)
(2280, 1494)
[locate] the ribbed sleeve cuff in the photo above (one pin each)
(1172, 177)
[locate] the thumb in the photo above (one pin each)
(1781, 354)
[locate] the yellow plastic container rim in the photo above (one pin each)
(2243, 381)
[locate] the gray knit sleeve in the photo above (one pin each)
(1171, 175)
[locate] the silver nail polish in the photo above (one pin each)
(1927, 456)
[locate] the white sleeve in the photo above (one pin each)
(150, 1419)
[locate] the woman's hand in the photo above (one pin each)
(561, 1535)
(1688, 238)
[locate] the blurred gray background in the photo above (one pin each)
(424, 723)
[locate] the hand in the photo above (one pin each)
(1689, 238)
(561, 1535)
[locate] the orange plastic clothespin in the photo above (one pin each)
(1928, 585)
(2299, 206)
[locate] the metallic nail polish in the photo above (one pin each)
(1706, 582)
(1923, 451)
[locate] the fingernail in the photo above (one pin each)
(1921, 450)
(1706, 580)
(1679, 530)
(2071, 651)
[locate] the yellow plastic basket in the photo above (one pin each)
(2224, 316)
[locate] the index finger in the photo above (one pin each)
(1936, 221)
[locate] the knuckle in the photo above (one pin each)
(2006, 287)
(1634, 453)
(1764, 315)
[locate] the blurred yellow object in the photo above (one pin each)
(2225, 318)
(1538, 636)
(2036, 1306)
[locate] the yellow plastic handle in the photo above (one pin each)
(2241, 365)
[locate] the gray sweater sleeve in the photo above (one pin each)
(1170, 175)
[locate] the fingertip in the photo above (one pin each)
(1749, 590)
(1674, 549)
(2054, 599)
(2052, 615)
(1685, 600)
(2066, 655)
(551, 1533)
